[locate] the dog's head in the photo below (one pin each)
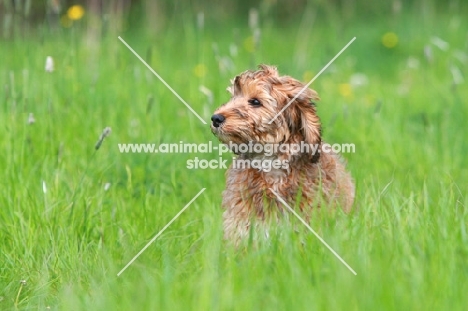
(267, 108)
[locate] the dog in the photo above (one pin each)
(267, 109)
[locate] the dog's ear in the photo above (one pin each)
(265, 72)
(268, 70)
(235, 86)
(301, 114)
(302, 118)
(310, 123)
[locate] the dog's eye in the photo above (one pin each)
(255, 102)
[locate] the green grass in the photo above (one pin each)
(407, 239)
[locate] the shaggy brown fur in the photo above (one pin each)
(313, 179)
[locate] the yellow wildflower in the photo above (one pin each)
(345, 90)
(390, 40)
(75, 12)
(200, 70)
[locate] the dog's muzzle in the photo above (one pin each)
(217, 119)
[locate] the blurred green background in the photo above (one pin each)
(71, 217)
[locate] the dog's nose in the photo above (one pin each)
(217, 119)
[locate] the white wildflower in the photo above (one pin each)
(253, 18)
(456, 75)
(31, 119)
(412, 62)
(256, 37)
(200, 20)
(233, 50)
(49, 65)
(107, 186)
(461, 56)
(441, 44)
(358, 79)
(225, 64)
(428, 53)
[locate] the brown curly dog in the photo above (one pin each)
(271, 124)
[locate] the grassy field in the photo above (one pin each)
(72, 217)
